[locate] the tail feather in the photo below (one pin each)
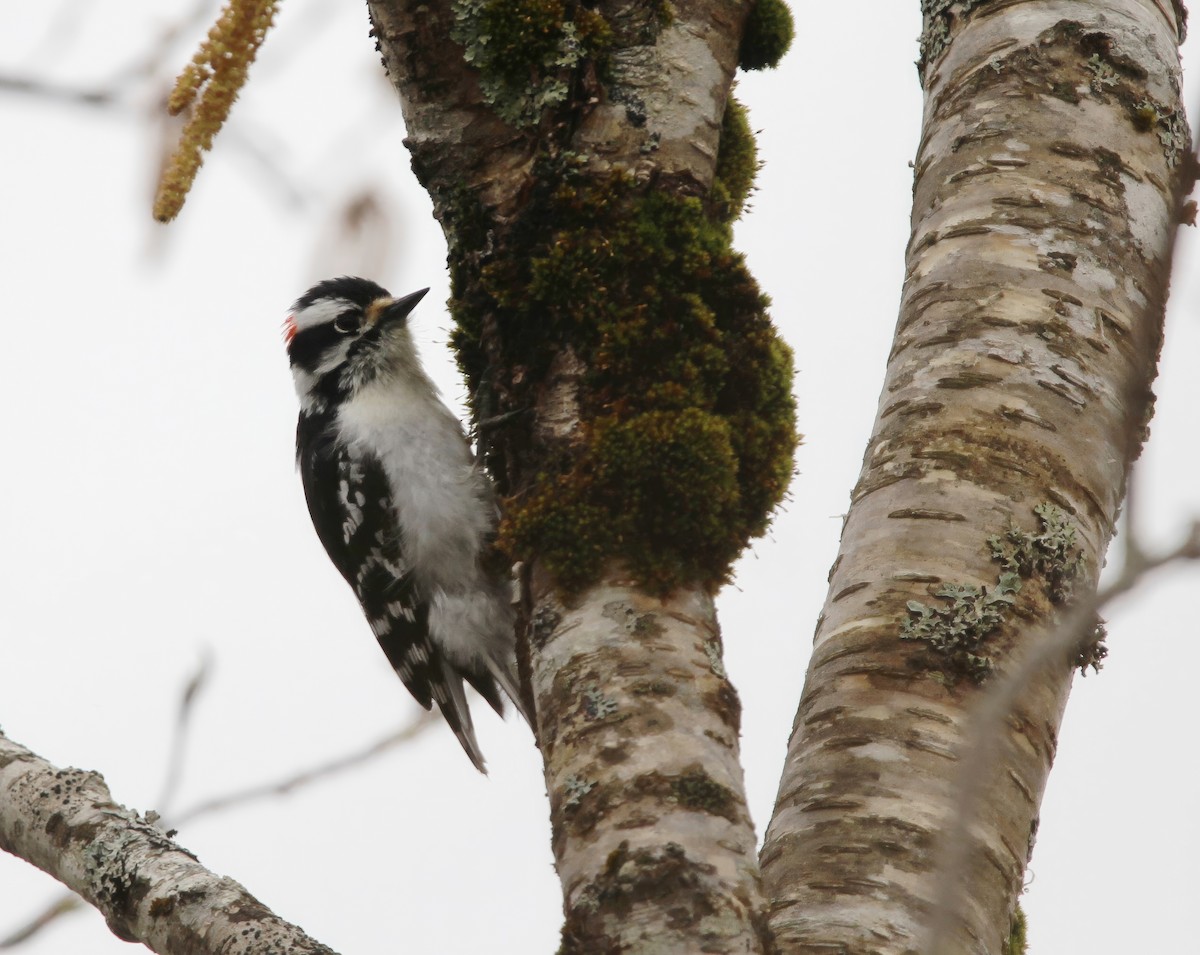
(452, 701)
(504, 672)
(486, 687)
(494, 676)
(474, 629)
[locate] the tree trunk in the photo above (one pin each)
(585, 165)
(1017, 392)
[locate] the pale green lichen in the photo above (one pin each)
(596, 705)
(956, 631)
(712, 650)
(525, 51)
(1103, 75)
(575, 788)
(1051, 553)
(1170, 126)
(937, 17)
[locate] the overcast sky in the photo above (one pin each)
(151, 513)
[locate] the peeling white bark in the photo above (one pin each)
(664, 106)
(150, 890)
(1026, 343)
(639, 728)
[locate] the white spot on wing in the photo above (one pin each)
(398, 609)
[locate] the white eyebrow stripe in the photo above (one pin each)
(321, 312)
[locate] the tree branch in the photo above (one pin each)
(148, 888)
(1018, 380)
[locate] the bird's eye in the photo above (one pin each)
(347, 323)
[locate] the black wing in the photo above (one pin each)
(350, 504)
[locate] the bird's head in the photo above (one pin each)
(343, 333)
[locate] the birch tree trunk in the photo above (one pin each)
(1016, 394)
(585, 164)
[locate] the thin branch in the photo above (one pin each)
(110, 91)
(177, 753)
(79, 96)
(306, 777)
(68, 902)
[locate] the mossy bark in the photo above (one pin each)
(1020, 375)
(586, 180)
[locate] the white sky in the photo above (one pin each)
(150, 510)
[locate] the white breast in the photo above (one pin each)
(442, 502)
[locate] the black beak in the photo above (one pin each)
(398, 310)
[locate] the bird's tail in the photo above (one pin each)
(458, 713)
(475, 631)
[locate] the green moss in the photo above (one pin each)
(670, 477)
(768, 35)
(689, 421)
(697, 790)
(737, 163)
(1016, 944)
(466, 228)
(525, 51)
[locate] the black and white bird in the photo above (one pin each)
(398, 500)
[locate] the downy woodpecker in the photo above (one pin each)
(404, 511)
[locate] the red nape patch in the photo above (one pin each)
(289, 329)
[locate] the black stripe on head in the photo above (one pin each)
(360, 291)
(307, 346)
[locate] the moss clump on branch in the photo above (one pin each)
(1016, 943)
(525, 51)
(737, 163)
(688, 422)
(768, 35)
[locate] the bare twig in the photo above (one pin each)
(176, 757)
(109, 92)
(67, 902)
(306, 777)
(29, 86)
